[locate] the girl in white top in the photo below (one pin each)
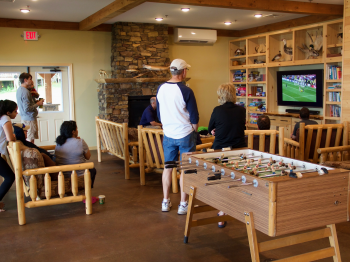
(8, 111)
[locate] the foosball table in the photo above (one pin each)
(273, 194)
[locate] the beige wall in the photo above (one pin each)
(209, 69)
(87, 51)
(91, 51)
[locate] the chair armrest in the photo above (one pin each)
(133, 144)
(291, 142)
(200, 147)
(55, 169)
(333, 149)
(52, 147)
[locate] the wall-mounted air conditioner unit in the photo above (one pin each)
(199, 36)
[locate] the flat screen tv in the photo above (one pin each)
(300, 88)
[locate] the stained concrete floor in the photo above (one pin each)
(130, 227)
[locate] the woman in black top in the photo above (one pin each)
(228, 120)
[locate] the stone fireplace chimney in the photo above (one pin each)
(133, 45)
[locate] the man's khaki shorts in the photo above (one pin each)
(33, 130)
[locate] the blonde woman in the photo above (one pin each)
(227, 122)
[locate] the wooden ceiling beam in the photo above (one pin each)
(39, 24)
(107, 13)
(264, 5)
(306, 20)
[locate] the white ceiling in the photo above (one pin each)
(205, 17)
(52, 10)
(199, 16)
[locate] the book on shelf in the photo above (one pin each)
(335, 86)
(334, 72)
(334, 97)
(334, 111)
(239, 76)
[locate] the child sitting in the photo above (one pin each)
(71, 149)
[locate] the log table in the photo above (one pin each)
(273, 194)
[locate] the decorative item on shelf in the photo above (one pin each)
(235, 63)
(309, 52)
(103, 73)
(256, 61)
(340, 37)
(239, 52)
(156, 68)
(277, 57)
(243, 63)
(317, 44)
(286, 49)
(260, 49)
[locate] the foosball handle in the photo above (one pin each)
(191, 171)
(215, 177)
(186, 240)
(293, 175)
(170, 162)
(171, 166)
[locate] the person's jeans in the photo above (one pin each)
(5, 172)
(173, 146)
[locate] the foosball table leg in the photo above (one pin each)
(253, 241)
(333, 240)
(190, 212)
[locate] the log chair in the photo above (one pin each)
(14, 149)
(266, 140)
(151, 144)
(114, 139)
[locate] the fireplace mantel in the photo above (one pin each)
(132, 80)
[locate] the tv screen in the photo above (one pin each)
(300, 88)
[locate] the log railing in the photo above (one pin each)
(14, 149)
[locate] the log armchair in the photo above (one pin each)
(331, 156)
(295, 149)
(270, 141)
(322, 136)
(313, 137)
(152, 153)
(14, 149)
(114, 139)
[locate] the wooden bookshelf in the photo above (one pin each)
(265, 46)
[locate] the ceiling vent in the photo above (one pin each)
(7, 1)
(194, 36)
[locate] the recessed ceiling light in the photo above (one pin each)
(193, 33)
(185, 9)
(180, 35)
(258, 15)
(25, 10)
(228, 23)
(159, 19)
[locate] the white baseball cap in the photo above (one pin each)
(178, 64)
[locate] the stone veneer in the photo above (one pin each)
(133, 45)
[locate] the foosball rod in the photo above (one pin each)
(223, 182)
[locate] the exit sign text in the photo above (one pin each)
(30, 35)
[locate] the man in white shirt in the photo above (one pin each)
(177, 110)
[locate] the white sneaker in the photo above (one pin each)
(182, 210)
(166, 206)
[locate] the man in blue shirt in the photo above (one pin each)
(149, 116)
